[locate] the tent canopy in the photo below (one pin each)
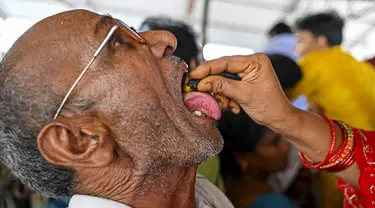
(241, 23)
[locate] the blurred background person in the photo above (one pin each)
(281, 41)
(187, 46)
(371, 61)
(253, 154)
(329, 72)
(290, 180)
(332, 77)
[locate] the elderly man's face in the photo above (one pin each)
(132, 93)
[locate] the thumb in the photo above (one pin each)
(221, 86)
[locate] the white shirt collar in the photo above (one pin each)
(85, 201)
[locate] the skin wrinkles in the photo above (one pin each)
(151, 144)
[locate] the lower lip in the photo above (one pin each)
(202, 120)
(205, 120)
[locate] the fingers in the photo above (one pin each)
(255, 70)
(225, 103)
(234, 107)
(234, 64)
(220, 86)
(222, 101)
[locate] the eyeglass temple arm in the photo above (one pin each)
(110, 33)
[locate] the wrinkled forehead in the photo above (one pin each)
(65, 40)
(62, 33)
(55, 50)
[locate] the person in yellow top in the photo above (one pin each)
(332, 77)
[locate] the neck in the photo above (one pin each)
(173, 187)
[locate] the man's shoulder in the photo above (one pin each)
(209, 195)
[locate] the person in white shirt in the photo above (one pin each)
(91, 108)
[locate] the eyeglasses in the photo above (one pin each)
(128, 31)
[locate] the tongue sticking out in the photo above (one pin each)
(198, 103)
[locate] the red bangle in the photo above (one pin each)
(346, 158)
(310, 165)
(341, 153)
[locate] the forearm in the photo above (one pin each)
(311, 134)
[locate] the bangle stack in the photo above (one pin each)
(339, 160)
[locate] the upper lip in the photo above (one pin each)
(181, 76)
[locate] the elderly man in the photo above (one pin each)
(93, 109)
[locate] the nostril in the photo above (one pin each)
(168, 51)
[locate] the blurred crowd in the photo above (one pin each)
(257, 167)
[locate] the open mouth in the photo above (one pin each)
(200, 104)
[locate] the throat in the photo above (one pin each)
(173, 187)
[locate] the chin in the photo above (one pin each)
(216, 145)
(191, 149)
(207, 147)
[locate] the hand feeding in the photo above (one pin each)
(192, 84)
(202, 104)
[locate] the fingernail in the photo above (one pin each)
(206, 87)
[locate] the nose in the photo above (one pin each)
(161, 43)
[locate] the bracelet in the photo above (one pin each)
(311, 165)
(341, 152)
(344, 156)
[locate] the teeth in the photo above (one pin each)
(199, 113)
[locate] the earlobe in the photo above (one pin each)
(76, 142)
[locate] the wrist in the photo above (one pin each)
(289, 123)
